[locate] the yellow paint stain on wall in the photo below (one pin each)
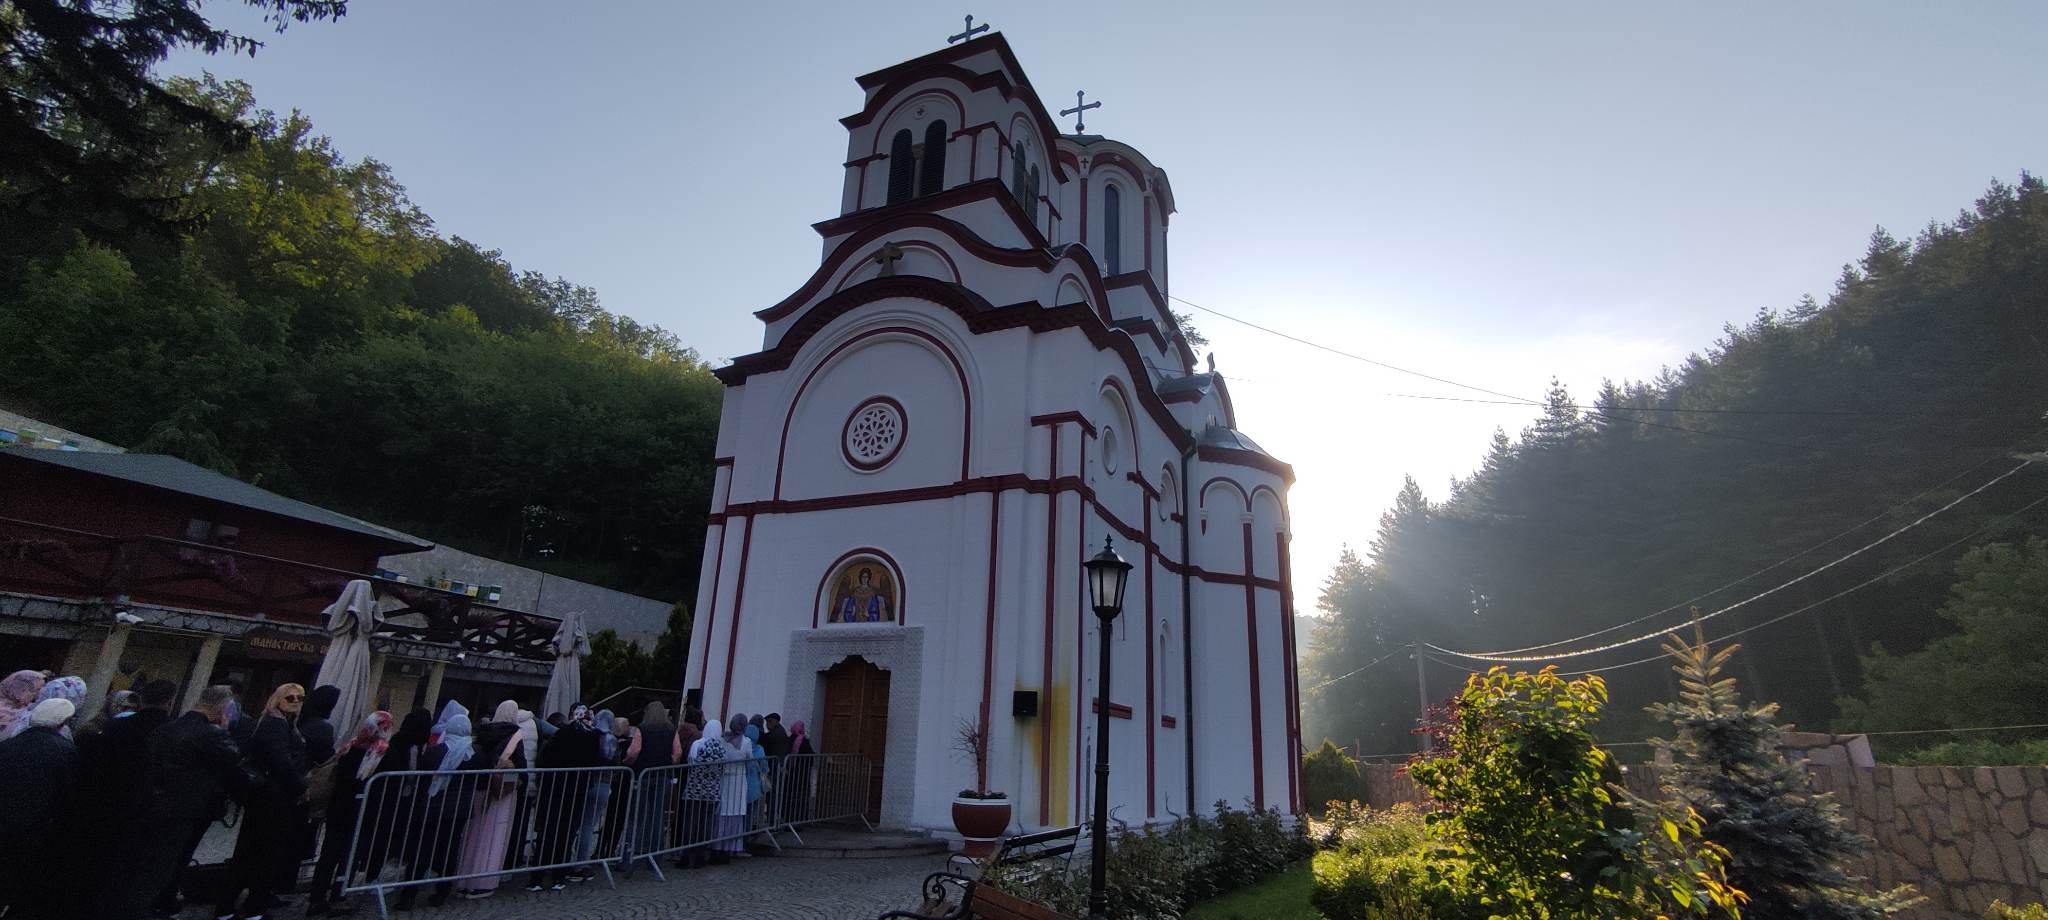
(1058, 708)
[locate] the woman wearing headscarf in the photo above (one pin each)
(757, 771)
(625, 743)
(733, 787)
(497, 800)
(654, 746)
(564, 795)
(358, 761)
(314, 726)
(598, 801)
(449, 710)
(709, 760)
(71, 689)
(798, 773)
(522, 817)
(390, 806)
(443, 814)
(17, 696)
(41, 769)
(264, 850)
(119, 703)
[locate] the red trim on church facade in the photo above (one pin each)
(1251, 637)
(966, 397)
(739, 593)
(988, 634)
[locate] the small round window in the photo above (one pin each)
(1168, 494)
(1109, 449)
(874, 433)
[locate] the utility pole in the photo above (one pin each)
(1421, 699)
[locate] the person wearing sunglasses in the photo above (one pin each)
(275, 759)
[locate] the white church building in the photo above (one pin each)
(982, 381)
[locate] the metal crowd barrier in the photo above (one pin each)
(692, 806)
(419, 827)
(809, 788)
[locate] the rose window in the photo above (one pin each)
(874, 433)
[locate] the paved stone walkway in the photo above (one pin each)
(766, 888)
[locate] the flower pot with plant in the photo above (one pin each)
(979, 815)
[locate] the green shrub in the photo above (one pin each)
(1377, 868)
(1155, 873)
(1328, 776)
(2001, 911)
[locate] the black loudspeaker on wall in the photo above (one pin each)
(694, 697)
(1024, 703)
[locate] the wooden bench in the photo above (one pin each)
(986, 902)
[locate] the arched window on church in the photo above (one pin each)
(1017, 171)
(1031, 195)
(1112, 230)
(1166, 697)
(902, 167)
(931, 161)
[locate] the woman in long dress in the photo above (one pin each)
(490, 824)
(732, 790)
(709, 758)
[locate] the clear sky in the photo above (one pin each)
(1491, 192)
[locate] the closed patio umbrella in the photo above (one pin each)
(565, 686)
(350, 620)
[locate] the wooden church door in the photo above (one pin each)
(857, 719)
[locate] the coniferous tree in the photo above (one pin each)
(1786, 843)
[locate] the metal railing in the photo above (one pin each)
(479, 826)
(696, 808)
(419, 828)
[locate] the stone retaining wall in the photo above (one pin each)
(1962, 836)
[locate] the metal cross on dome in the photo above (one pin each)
(1079, 111)
(972, 30)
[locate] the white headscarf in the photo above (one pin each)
(51, 713)
(455, 735)
(712, 743)
(529, 735)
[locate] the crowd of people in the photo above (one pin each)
(467, 807)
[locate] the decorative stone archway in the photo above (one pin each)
(896, 649)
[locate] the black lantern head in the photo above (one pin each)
(1107, 573)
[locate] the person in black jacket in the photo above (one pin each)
(440, 811)
(41, 767)
(365, 753)
(111, 771)
(191, 768)
(563, 797)
(265, 849)
(321, 736)
(388, 808)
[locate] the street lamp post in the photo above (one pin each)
(1107, 573)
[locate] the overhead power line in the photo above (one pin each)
(1503, 657)
(1582, 408)
(1361, 670)
(1788, 560)
(1845, 591)
(1517, 400)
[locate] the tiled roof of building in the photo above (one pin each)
(161, 471)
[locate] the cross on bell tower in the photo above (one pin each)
(1080, 110)
(972, 30)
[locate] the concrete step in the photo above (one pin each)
(839, 843)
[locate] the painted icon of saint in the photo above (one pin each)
(863, 602)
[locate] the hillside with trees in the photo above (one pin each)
(184, 272)
(1794, 440)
